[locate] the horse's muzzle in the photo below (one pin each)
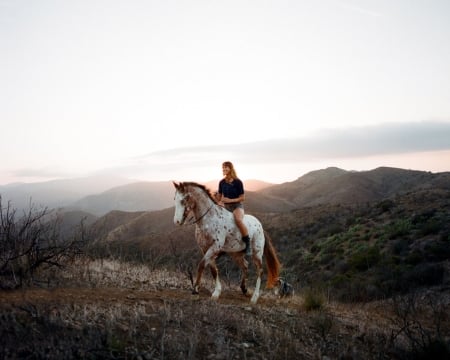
(178, 222)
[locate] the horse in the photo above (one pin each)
(216, 233)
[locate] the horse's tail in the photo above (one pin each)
(273, 264)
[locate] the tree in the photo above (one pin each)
(33, 242)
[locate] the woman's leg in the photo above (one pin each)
(239, 218)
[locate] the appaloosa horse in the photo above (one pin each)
(216, 232)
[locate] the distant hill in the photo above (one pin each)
(249, 185)
(70, 221)
(363, 235)
(337, 186)
(139, 196)
(56, 193)
(143, 196)
(324, 186)
(327, 187)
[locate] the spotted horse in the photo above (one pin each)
(216, 233)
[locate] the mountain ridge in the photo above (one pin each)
(330, 185)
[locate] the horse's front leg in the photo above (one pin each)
(215, 275)
(198, 279)
(208, 259)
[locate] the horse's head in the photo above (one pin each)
(184, 203)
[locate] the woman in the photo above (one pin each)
(231, 195)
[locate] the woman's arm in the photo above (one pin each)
(239, 199)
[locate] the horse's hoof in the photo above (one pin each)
(195, 292)
(244, 291)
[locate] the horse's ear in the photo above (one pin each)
(178, 186)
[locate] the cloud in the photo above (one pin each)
(327, 144)
(271, 158)
(43, 173)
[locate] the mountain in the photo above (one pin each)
(142, 196)
(249, 185)
(322, 189)
(70, 221)
(57, 193)
(362, 235)
(325, 187)
(139, 196)
(337, 186)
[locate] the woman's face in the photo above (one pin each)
(225, 170)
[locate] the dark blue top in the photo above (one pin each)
(231, 190)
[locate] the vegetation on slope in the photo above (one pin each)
(361, 253)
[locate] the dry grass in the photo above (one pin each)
(114, 310)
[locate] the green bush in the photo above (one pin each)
(313, 299)
(399, 228)
(385, 205)
(364, 259)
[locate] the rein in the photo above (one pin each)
(201, 217)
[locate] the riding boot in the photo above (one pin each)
(246, 240)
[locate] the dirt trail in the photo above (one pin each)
(129, 296)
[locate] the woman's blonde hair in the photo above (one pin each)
(232, 171)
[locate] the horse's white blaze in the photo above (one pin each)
(179, 209)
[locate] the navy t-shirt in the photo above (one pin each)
(231, 190)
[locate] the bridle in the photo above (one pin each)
(189, 209)
(201, 217)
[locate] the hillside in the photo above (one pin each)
(371, 281)
(140, 196)
(117, 310)
(366, 252)
(143, 196)
(399, 222)
(57, 193)
(337, 186)
(325, 186)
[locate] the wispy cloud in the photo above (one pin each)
(41, 173)
(330, 143)
(327, 146)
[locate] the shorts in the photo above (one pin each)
(233, 206)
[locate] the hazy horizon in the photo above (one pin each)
(169, 90)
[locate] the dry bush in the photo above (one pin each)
(418, 326)
(32, 243)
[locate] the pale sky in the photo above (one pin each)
(168, 90)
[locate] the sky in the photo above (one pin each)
(168, 90)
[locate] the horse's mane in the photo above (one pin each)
(202, 187)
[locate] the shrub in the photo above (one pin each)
(33, 242)
(364, 259)
(398, 228)
(313, 299)
(385, 205)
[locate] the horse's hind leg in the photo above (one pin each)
(243, 265)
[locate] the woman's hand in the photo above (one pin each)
(226, 200)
